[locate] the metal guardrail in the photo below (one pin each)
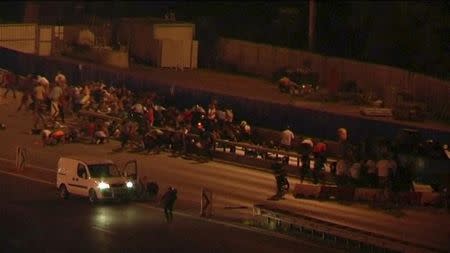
(222, 150)
(225, 146)
(275, 153)
(352, 238)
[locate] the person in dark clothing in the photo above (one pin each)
(149, 140)
(152, 189)
(320, 158)
(208, 139)
(125, 134)
(229, 133)
(305, 150)
(280, 173)
(345, 147)
(10, 80)
(168, 200)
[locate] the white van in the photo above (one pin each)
(95, 178)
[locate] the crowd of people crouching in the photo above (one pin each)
(142, 121)
(149, 123)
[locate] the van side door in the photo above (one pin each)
(80, 181)
(130, 170)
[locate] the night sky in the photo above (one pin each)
(414, 35)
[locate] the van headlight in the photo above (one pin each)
(129, 184)
(103, 185)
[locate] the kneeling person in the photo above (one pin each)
(52, 138)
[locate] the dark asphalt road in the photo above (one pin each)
(233, 186)
(34, 219)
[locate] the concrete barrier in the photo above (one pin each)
(430, 198)
(307, 191)
(328, 192)
(345, 193)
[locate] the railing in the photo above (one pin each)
(241, 149)
(225, 146)
(263, 157)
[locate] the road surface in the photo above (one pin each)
(34, 219)
(235, 188)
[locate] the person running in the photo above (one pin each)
(10, 80)
(39, 96)
(27, 92)
(56, 95)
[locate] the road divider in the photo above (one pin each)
(206, 205)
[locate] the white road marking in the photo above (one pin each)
(28, 178)
(103, 230)
(27, 165)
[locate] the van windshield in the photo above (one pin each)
(103, 170)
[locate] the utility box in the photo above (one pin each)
(178, 53)
(173, 31)
(160, 43)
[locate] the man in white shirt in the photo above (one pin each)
(56, 93)
(286, 138)
(39, 96)
(61, 80)
(55, 96)
(44, 82)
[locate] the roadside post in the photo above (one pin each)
(21, 158)
(206, 203)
